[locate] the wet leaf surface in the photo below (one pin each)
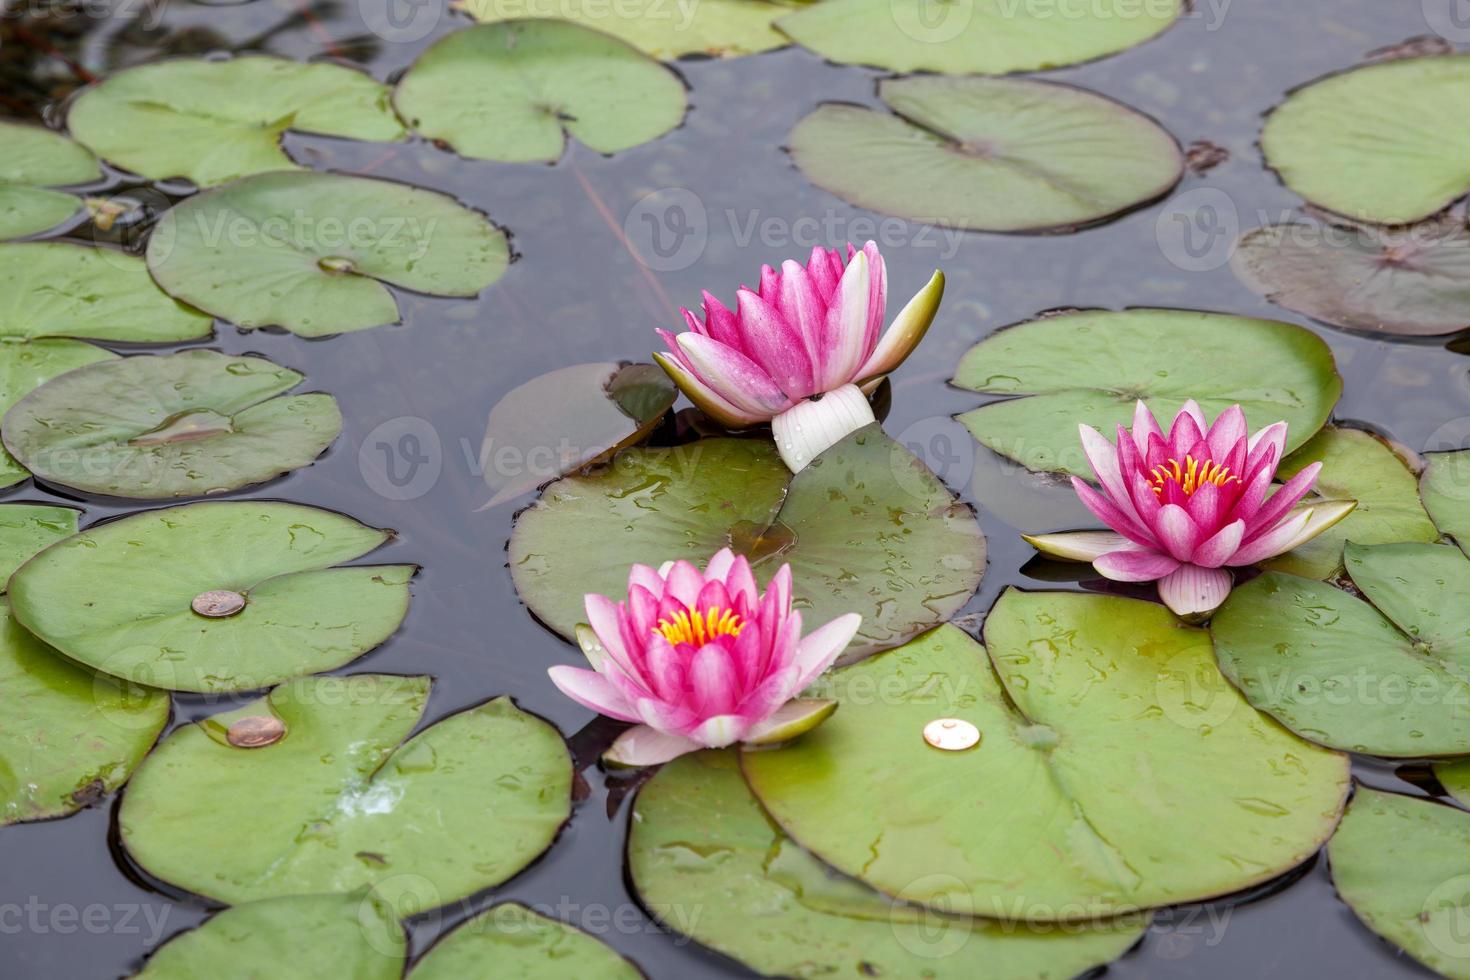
(1445, 489)
(25, 366)
(990, 153)
(343, 802)
(131, 583)
(176, 425)
(510, 940)
(34, 160)
(865, 527)
(27, 528)
(714, 28)
(709, 865)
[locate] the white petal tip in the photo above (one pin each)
(814, 425)
(1084, 546)
(1194, 593)
(644, 746)
(792, 719)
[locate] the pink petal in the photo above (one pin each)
(719, 564)
(592, 690)
(1206, 507)
(1188, 429)
(606, 622)
(712, 596)
(1145, 428)
(720, 323)
(667, 717)
(741, 582)
(844, 329)
(1221, 547)
(664, 671)
(777, 346)
(1278, 540)
(1254, 494)
(705, 398)
(714, 683)
(1177, 533)
(1271, 437)
(1104, 458)
(683, 584)
(1229, 429)
(736, 377)
(770, 290)
(646, 577)
(1283, 500)
(773, 692)
(823, 276)
(1193, 591)
(802, 307)
(823, 646)
(647, 746)
(877, 296)
(1134, 566)
(642, 609)
(1107, 512)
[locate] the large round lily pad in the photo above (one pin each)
(989, 153)
(311, 251)
(1108, 741)
(120, 596)
(961, 37)
(211, 121)
(1091, 367)
(338, 804)
(1400, 865)
(1373, 143)
(1357, 466)
(55, 289)
(865, 527)
(178, 425)
(25, 366)
(1445, 490)
(26, 529)
(1414, 283)
(297, 937)
(67, 737)
(511, 941)
(709, 865)
(1391, 678)
(661, 28)
(515, 90)
(36, 159)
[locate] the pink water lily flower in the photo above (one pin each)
(1186, 507)
(802, 351)
(701, 660)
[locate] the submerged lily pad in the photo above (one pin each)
(342, 802)
(1108, 740)
(569, 418)
(512, 941)
(1400, 865)
(989, 153)
(67, 737)
(1391, 678)
(1355, 466)
(1445, 489)
(177, 425)
(311, 251)
(1414, 284)
(133, 583)
(1373, 143)
(984, 37)
(211, 121)
(26, 529)
(34, 160)
(298, 937)
(865, 527)
(660, 28)
(514, 91)
(709, 865)
(1092, 366)
(25, 366)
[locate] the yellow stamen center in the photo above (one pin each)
(1191, 475)
(697, 629)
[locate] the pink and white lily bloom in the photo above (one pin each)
(802, 352)
(1187, 507)
(701, 660)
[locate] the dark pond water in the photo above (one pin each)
(415, 399)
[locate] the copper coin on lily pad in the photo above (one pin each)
(511, 940)
(303, 615)
(315, 253)
(865, 527)
(174, 425)
(35, 160)
(710, 28)
(217, 603)
(354, 801)
(256, 731)
(989, 153)
(698, 840)
(1092, 366)
(1111, 739)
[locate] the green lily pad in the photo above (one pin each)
(983, 37)
(311, 252)
(211, 121)
(140, 576)
(1355, 466)
(512, 942)
(1455, 778)
(176, 425)
(36, 159)
(514, 91)
(1390, 679)
(660, 28)
(67, 737)
(1092, 366)
(1107, 740)
(298, 937)
(25, 366)
(567, 419)
(342, 802)
(709, 865)
(1372, 143)
(865, 527)
(1445, 490)
(26, 529)
(1414, 284)
(1399, 864)
(989, 153)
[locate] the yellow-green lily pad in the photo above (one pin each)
(664, 29)
(513, 942)
(1445, 490)
(35, 160)
(25, 365)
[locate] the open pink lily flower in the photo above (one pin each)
(802, 351)
(1186, 507)
(701, 660)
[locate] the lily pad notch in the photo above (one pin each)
(35, 161)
